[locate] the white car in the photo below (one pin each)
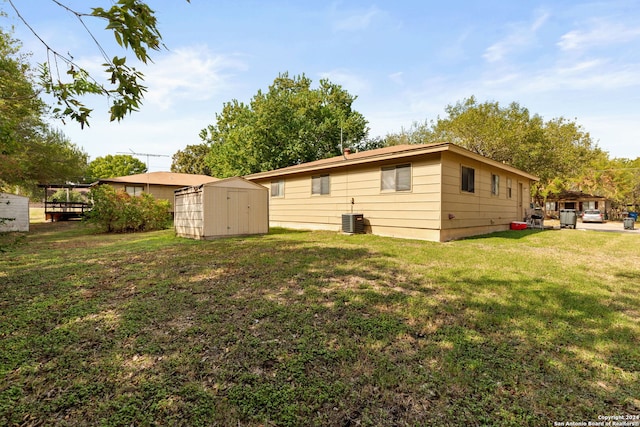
(592, 215)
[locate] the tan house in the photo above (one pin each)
(227, 207)
(436, 192)
(159, 184)
(575, 200)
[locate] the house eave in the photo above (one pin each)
(418, 150)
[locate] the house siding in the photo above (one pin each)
(434, 209)
(386, 212)
(159, 192)
(479, 212)
(16, 209)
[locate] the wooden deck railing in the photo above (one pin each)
(57, 211)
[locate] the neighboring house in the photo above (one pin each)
(159, 184)
(228, 207)
(435, 192)
(14, 212)
(575, 200)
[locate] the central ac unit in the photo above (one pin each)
(353, 223)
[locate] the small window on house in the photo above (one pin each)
(495, 185)
(133, 190)
(468, 179)
(277, 188)
(320, 184)
(509, 184)
(396, 178)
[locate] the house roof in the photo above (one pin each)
(161, 178)
(574, 195)
(404, 151)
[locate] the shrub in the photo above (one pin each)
(118, 212)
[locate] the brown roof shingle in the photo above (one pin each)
(161, 178)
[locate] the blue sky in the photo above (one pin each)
(404, 60)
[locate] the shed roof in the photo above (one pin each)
(11, 195)
(232, 182)
(161, 178)
(404, 151)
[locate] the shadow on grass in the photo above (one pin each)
(297, 328)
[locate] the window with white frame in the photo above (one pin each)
(468, 179)
(320, 184)
(396, 178)
(277, 188)
(133, 190)
(509, 186)
(495, 185)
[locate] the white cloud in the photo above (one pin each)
(601, 33)
(189, 73)
(397, 78)
(353, 83)
(354, 20)
(520, 35)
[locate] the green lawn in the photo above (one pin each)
(318, 328)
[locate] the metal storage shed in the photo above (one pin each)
(14, 212)
(228, 207)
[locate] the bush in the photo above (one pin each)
(118, 212)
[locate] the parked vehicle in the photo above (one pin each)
(592, 215)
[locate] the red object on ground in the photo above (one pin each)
(517, 225)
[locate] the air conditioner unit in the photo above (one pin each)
(353, 223)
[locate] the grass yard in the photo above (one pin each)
(318, 328)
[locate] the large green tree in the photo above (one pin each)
(30, 151)
(511, 134)
(191, 160)
(111, 166)
(134, 27)
(291, 123)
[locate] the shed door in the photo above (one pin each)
(237, 212)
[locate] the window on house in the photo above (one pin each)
(133, 190)
(495, 185)
(277, 188)
(509, 183)
(468, 179)
(320, 184)
(396, 178)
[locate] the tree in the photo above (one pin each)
(557, 148)
(191, 160)
(30, 151)
(289, 124)
(616, 179)
(134, 27)
(111, 166)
